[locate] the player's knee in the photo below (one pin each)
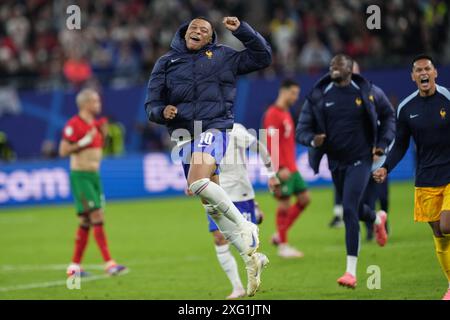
(304, 199)
(436, 228)
(96, 217)
(84, 220)
(445, 230)
(85, 224)
(219, 239)
(284, 204)
(197, 186)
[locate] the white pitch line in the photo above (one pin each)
(50, 283)
(46, 267)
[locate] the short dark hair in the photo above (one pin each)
(287, 83)
(421, 57)
(207, 20)
(345, 57)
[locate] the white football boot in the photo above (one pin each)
(254, 268)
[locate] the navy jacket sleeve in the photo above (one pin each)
(257, 53)
(305, 131)
(155, 101)
(401, 144)
(386, 116)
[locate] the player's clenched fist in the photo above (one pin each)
(170, 112)
(318, 140)
(231, 23)
(379, 175)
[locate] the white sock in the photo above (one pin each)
(215, 195)
(229, 230)
(338, 211)
(229, 265)
(351, 265)
(377, 218)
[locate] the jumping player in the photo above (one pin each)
(195, 83)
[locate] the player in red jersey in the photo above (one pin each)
(83, 138)
(278, 119)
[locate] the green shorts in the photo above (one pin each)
(294, 185)
(87, 191)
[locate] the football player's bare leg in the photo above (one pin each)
(96, 216)
(84, 220)
(441, 235)
(444, 223)
(304, 198)
(219, 239)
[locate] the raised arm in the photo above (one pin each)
(257, 53)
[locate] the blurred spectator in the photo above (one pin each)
(314, 55)
(77, 71)
(115, 140)
(154, 138)
(120, 40)
(48, 150)
(7, 153)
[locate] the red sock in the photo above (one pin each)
(282, 216)
(81, 240)
(294, 211)
(100, 237)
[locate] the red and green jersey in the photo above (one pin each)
(76, 128)
(281, 120)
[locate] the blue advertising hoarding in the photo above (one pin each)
(139, 176)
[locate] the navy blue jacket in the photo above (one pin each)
(202, 84)
(311, 120)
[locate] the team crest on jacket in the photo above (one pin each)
(209, 54)
(443, 113)
(358, 102)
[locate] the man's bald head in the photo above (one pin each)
(89, 100)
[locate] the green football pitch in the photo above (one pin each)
(170, 254)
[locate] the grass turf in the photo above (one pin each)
(170, 253)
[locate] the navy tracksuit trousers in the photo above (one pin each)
(350, 182)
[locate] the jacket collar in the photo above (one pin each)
(323, 82)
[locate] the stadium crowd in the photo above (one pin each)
(119, 40)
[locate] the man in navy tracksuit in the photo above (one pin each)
(194, 85)
(340, 118)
